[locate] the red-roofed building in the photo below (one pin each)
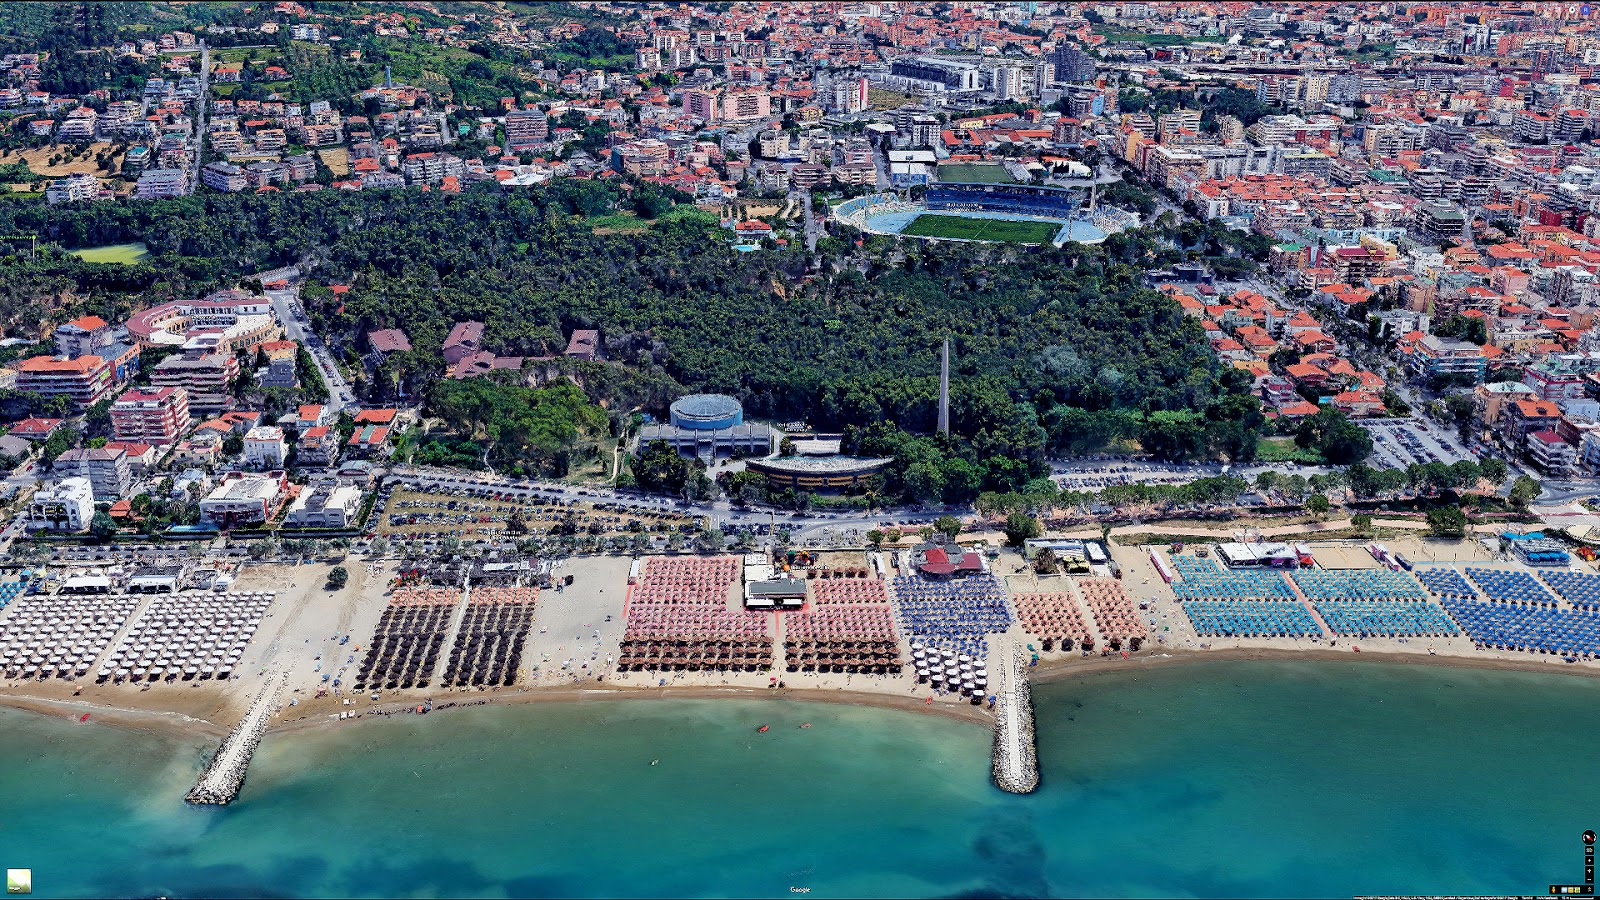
(35, 428)
(369, 440)
(83, 336)
(317, 446)
(84, 380)
(463, 341)
(157, 416)
(585, 344)
(1551, 454)
(1359, 404)
(389, 340)
(1524, 417)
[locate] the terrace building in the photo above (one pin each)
(66, 506)
(317, 446)
(325, 505)
(83, 336)
(1551, 454)
(244, 499)
(206, 377)
(1438, 356)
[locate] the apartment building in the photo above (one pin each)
(206, 377)
(325, 505)
(222, 176)
(159, 416)
(265, 447)
(161, 184)
(1551, 454)
(72, 189)
(318, 446)
(66, 506)
(106, 470)
(83, 336)
(526, 129)
(84, 381)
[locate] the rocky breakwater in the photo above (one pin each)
(1015, 759)
(222, 778)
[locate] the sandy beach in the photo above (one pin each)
(570, 654)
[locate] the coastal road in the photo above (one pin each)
(721, 514)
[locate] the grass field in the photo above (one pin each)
(337, 159)
(975, 173)
(83, 160)
(1282, 449)
(936, 226)
(127, 254)
(1113, 35)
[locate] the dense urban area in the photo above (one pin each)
(1242, 325)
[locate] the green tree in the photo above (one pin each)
(102, 526)
(875, 538)
(949, 526)
(338, 576)
(1495, 470)
(1318, 504)
(1447, 522)
(1524, 491)
(1341, 441)
(1021, 527)
(1361, 522)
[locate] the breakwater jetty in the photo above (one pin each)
(222, 778)
(1016, 761)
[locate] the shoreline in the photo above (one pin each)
(1049, 670)
(1063, 668)
(128, 717)
(575, 694)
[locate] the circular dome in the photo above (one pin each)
(707, 412)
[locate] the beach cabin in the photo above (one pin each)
(779, 593)
(1255, 556)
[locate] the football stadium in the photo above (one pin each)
(961, 211)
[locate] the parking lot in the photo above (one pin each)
(1400, 443)
(486, 514)
(1093, 474)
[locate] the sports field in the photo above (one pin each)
(975, 173)
(937, 226)
(126, 254)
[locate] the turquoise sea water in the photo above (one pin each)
(1213, 779)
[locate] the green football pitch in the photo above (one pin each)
(938, 226)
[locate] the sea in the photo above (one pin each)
(1208, 779)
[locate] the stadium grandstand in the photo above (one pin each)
(1022, 199)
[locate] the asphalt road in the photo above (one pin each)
(295, 327)
(200, 116)
(721, 513)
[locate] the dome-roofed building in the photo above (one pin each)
(707, 412)
(709, 425)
